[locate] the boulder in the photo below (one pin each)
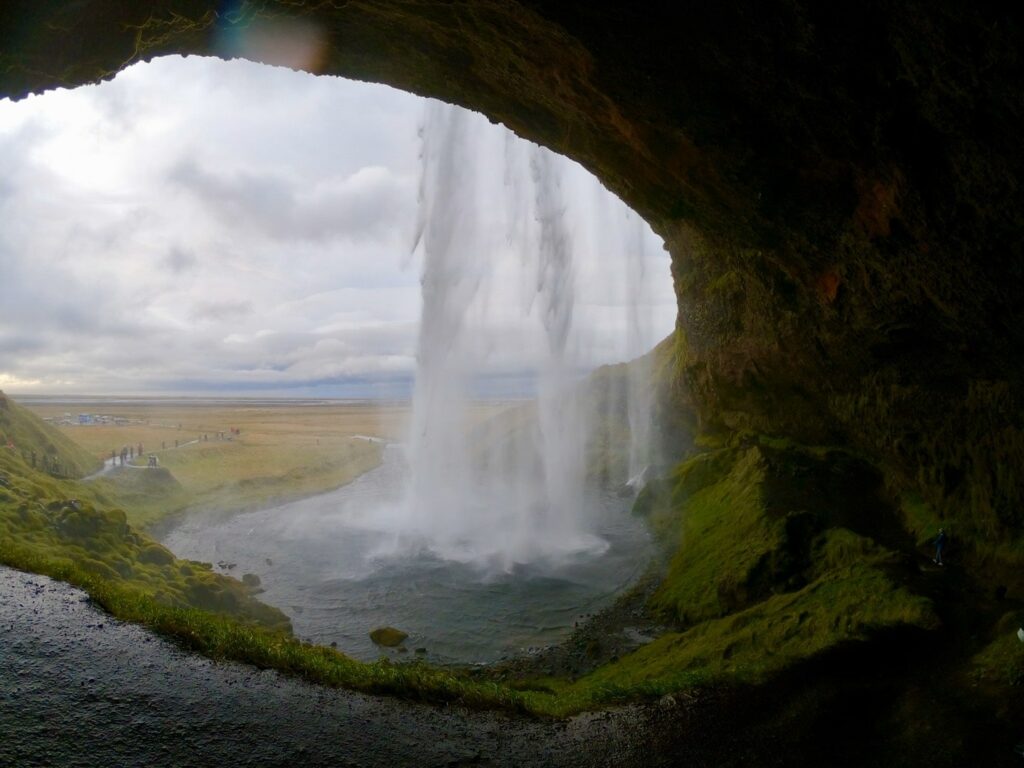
(389, 637)
(251, 580)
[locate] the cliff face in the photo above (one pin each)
(838, 184)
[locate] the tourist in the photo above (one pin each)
(940, 544)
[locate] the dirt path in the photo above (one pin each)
(111, 463)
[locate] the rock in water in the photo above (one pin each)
(389, 637)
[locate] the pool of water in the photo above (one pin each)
(323, 562)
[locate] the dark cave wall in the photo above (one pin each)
(838, 184)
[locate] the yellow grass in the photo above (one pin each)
(290, 424)
(283, 452)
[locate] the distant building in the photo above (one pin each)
(85, 418)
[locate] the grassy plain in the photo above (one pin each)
(281, 452)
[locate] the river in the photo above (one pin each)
(327, 563)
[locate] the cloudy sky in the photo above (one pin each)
(198, 226)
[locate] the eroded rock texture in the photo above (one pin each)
(838, 183)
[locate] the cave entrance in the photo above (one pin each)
(210, 247)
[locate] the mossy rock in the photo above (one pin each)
(102, 570)
(251, 580)
(208, 596)
(79, 524)
(389, 637)
(154, 554)
(746, 522)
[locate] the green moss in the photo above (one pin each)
(776, 560)
(96, 568)
(741, 521)
(54, 453)
(1001, 663)
(725, 537)
(224, 637)
(840, 548)
(389, 637)
(848, 605)
(726, 284)
(150, 495)
(47, 518)
(919, 518)
(154, 554)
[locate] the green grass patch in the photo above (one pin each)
(1001, 663)
(148, 494)
(279, 455)
(47, 519)
(229, 476)
(848, 605)
(244, 474)
(40, 444)
(724, 536)
(920, 518)
(740, 520)
(223, 637)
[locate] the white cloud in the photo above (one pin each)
(204, 224)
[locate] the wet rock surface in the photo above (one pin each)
(78, 687)
(597, 639)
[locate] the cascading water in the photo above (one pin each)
(511, 492)
(639, 395)
(562, 436)
(478, 523)
(439, 456)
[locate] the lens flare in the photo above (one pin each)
(282, 41)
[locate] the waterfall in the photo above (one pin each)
(447, 234)
(512, 491)
(639, 395)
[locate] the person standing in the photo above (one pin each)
(940, 545)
